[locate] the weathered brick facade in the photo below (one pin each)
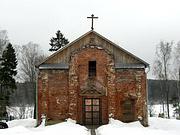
(118, 88)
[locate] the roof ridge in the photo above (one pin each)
(92, 31)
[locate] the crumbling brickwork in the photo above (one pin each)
(119, 84)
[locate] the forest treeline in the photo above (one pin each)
(23, 95)
(157, 91)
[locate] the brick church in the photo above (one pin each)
(90, 80)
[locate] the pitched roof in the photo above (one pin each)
(110, 42)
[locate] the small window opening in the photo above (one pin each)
(92, 68)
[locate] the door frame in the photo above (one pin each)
(84, 111)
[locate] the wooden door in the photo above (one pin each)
(91, 109)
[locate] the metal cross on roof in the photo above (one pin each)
(92, 17)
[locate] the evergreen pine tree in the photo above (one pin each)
(58, 41)
(8, 67)
(7, 73)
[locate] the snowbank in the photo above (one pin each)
(25, 127)
(157, 126)
(28, 123)
(65, 128)
(118, 123)
(165, 124)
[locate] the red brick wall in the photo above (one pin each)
(59, 90)
(53, 92)
(131, 84)
(42, 94)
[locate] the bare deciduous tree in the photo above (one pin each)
(3, 40)
(157, 70)
(30, 55)
(162, 66)
(176, 75)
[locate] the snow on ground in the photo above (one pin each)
(28, 123)
(165, 124)
(20, 112)
(26, 127)
(158, 126)
(158, 108)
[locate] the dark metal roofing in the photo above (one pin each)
(54, 66)
(124, 66)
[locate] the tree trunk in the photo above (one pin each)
(162, 95)
(163, 106)
(179, 94)
(2, 103)
(167, 98)
(34, 87)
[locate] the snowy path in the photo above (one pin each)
(92, 129)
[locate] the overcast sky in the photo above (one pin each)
(136, 25)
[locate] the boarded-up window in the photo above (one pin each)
(128, 110)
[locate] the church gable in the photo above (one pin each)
(122, 58)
